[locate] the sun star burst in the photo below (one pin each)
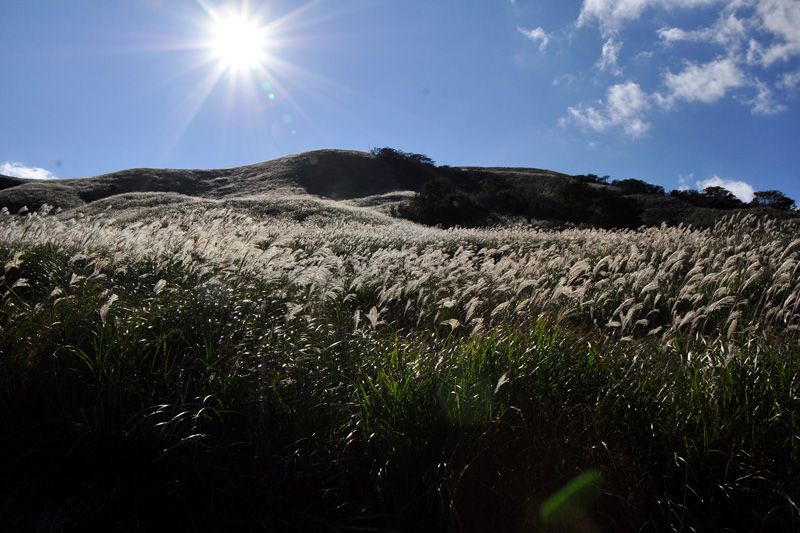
(238, 43)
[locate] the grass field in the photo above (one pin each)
(306, 365)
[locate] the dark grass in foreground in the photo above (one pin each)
(144, 398)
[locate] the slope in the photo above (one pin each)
(338, 174)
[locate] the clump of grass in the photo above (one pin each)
(245, 372)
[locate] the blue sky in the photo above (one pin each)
(680, 93)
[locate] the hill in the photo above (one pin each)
(331, 173)
(445, 196)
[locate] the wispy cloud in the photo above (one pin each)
(790, 80)
(565, 79)
(705, 83)
(764, 102)
(729, 30)
(623, 108)
(771, 32)
(609, 59)
(781, 18)
(18, 170)
(536, 35)
(740, 189)
(611, 15)
(684, 181)
(752, 40)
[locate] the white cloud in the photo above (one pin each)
(535, 35)
(729, 31)
(777, 21)
(674, 34)
(757, 53)
(566, 79)
(764, 103)
(624, 108)
(612, 14)
(772, 27)
(743, 191)
(18, 170)
(753, 41)
(608, 61)
(790, 81)
(782, 19)
(644, 57)
(705, 83)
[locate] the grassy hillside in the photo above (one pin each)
(332, 173)
(442, 196)
(295, 363)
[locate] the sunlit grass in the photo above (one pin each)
(330, 371)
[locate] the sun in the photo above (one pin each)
(237, 48)
(238, 43)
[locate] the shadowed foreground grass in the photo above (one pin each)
(141, 395)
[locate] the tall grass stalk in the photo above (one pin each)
(341, 370)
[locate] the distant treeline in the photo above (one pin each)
(713, 197)
(450, 196)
